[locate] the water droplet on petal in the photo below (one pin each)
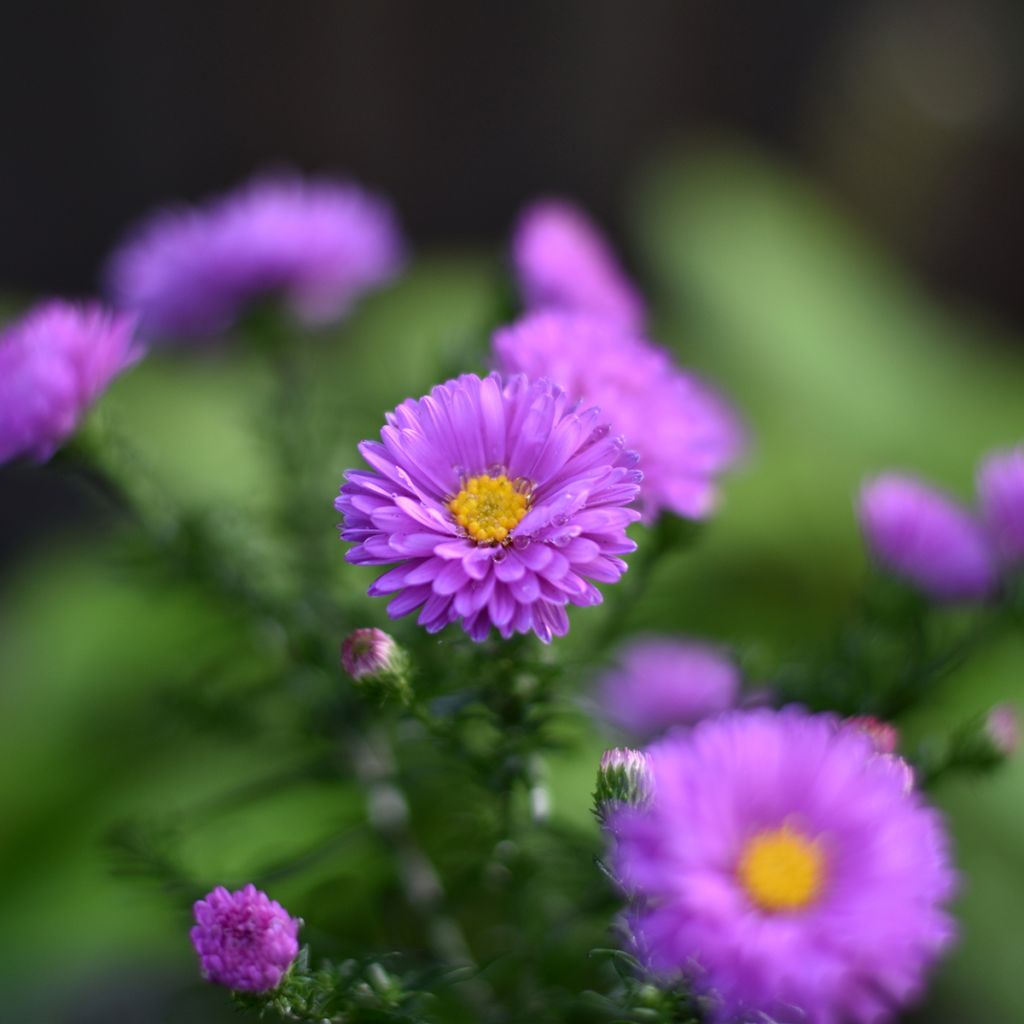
(500, 555)
(560, 520)
(521, 541)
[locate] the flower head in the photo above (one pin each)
(922, 536)
(1001, 494)
(500, 502)
(685, 433)
(660, 682)
(245, 941)
(786, 870)
(317, 243)
(563, 262)
(54, 363)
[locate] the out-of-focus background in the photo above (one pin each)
(821, 200)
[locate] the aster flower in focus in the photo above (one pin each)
(316, 243)
(925, 538)
(501, 503)
(1001, 494)
(686, 433)
(785, 870)
(659, 682)
(245, 940)
(563, 262)
(54, 363)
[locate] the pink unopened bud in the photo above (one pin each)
(1003, 729)
(884, 736)
(624, 778)
(373, 659)
(366, 652)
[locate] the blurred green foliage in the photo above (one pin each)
(115, 685)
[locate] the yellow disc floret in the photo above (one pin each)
(782, 870)
(488, 507)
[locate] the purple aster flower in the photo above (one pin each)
(54, 363)
(563, 262)
(245, 940)
(1001, 494)
(660, 682)
(919, 534)
(317, 243)
(501, 504)
(685, 433)
(785, 869)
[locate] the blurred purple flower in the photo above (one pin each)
(501, 502)
(563, 262)
(784, 868)
(660, 682)
(244, 940)
(922, 536)
(318, 243)
(686, 433)
(1001, 494)
(54, 363)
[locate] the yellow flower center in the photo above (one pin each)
(488, 507)
(782, 870)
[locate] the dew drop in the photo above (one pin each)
(521, 541)
(560, 520)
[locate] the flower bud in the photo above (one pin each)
(624, 777)
(1003, 730)
(373, 659)
(884, 736)
(925, 538)
(244, 940)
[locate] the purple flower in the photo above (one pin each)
(245, 940)
(501, 504)
(685, 433)
(661, 682)
(785, 869)
(924, 537)
(1001, 494)
(54, 363)
(563, 262)
(317, 243)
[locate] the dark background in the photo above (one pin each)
(907, 111)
